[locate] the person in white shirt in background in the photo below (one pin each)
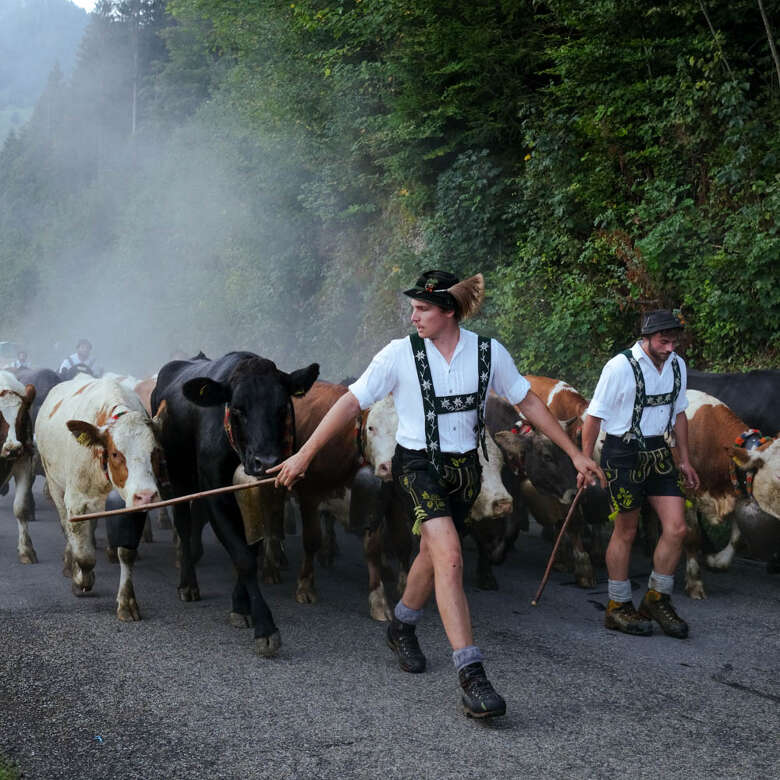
(81, 357)
(439, 378)
(640, 404)
(22, 360)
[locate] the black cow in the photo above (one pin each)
(42, 379)
(752, 396)
(219, 414)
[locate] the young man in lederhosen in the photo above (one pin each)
(640, 404)
(439, 378)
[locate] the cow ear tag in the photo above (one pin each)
(83, 439)
(299, 393)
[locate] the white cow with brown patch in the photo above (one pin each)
(94, 436)
(712, 431)
(16, 454)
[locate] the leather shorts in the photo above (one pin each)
(634, 474)
(427, 494)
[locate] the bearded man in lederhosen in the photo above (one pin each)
(640, 404)
(439, 378)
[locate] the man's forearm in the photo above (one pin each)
(681, 435)
(542, 418)
(344, 410)
(590, 432)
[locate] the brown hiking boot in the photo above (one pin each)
(621, 616)
(658, 606)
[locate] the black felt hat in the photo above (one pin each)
(447, 291)
(658, 320)
(433, 286)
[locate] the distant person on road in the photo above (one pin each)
(439, 377)
(640, 404)
(80, 360)
(22, 359)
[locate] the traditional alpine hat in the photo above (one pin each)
(658, 320)
(448, 292)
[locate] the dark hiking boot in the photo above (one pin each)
(479, 698)
(402, 641)
(621, 616)
(658, 606)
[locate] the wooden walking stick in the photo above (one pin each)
(535, 600)
(178, 500)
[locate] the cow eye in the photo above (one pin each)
(371, 428)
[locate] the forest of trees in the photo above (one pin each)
(269, 175)
(34, 35)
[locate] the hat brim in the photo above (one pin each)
(441, 299)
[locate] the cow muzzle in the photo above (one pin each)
(143, 497)
(11, 450)
(384, 471)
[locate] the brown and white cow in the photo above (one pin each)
(16, 455)
(94, 436)
(566, 403)
(487, 519)
(712, 431)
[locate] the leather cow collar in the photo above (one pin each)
(742, 480)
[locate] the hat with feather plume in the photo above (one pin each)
(448, 292)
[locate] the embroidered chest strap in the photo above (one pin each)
(434, 405)
(642, 400)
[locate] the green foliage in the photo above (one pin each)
(285, 168)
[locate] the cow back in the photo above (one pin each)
(752, 396)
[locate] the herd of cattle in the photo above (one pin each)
(200, 424)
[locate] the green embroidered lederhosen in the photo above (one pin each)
(635, 467)
(434, 405)
(433, 483)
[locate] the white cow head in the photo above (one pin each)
(15, 427)
(126, 444)
(380, 425)
(764, 462)
(493, 499)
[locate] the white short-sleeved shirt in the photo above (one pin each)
(75, 360)
(613, 398)
(393, 371)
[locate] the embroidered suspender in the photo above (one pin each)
(434, 405)
(641, 400)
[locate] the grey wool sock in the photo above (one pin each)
(467, 655)
(406, 614)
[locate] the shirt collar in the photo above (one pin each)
(459, 347)
(640, 354)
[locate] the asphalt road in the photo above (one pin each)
(181, 694)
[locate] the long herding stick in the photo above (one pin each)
(179, 500)
(535, 601)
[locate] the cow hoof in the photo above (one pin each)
(696, 591)
(81, 590)
(237, 620)
(586, 581)
(487, 581)
(188, 593)
(271, 576)
(268, 646)
(129, 612)
(28, 556)
(112, 555)
(378, 607)
(305, 594)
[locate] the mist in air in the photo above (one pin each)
(165, 224)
